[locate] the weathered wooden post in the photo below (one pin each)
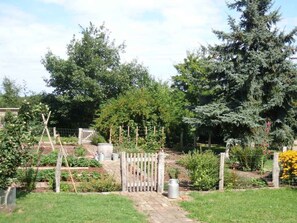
(275, 170)
(221, 175)
(80, 135)
(123, 171)
(58, 172)
(161, 169)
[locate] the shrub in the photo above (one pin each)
(27, 179)
(203, 169)
(97, 138)
(15, 141)
(247, 159)
(288, 162)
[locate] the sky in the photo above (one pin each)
(158, 33)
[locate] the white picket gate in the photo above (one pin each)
(142, 172)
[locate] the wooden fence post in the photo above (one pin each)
(80, 136)
(58, 172)
(154, 130)
(161, 169)
(123, 171)
(275, 170)
(145, 131)
(221, 176)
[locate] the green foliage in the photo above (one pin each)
(173, 173)
(92, 74)
(97, 138)
(233, 181)
(193, 78)
(15, 141)
(27, 179)
(203, 169)
(31, 115)
(250, 76)
(73, 161)
(105, 184)
(151, 141)
(70, 140)
(248, 159)
(10, 97)
(157, 106)
(80, 151)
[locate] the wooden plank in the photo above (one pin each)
(149, 171)
(136, 172)
(152, 172)
(129, 172)
(145, 173)
(141, 173)
(156, 171)
(123, 171)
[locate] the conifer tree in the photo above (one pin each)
(252, 75)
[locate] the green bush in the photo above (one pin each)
(97, 138)
(247, 159)
(27, 179)
(203, 169)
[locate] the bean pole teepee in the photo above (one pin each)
(45, 129)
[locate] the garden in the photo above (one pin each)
(226, 124)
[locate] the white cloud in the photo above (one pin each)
(157, 32)
(158, 43)
(24, 41)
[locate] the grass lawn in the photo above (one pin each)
(252, 206)
(64, 207)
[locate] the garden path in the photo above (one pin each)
(156, 206)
